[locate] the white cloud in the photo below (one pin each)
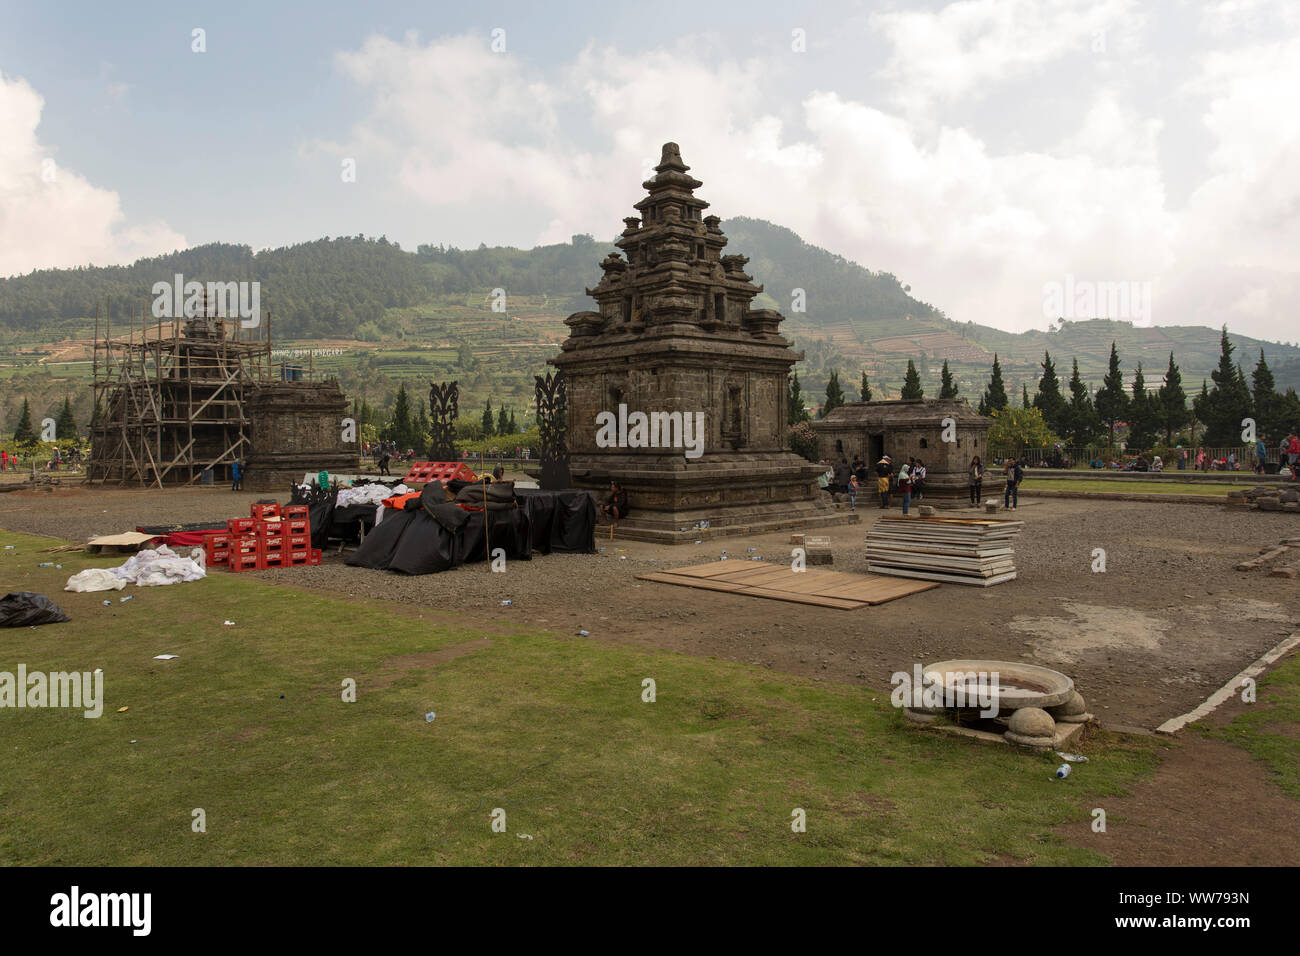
(977, 230)
(966, 48)
(51, 217)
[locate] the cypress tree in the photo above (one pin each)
(1112, 402)
(23, 434)
(794, 410)
(1083, 417)
(1228, 402)
(912, 382)
(488, 422)
(1142, 422)
(834, 394)
(947, 387)
(65, 429)
(864, 390)
(1173, 402)
(1265, 399)
(399, 430)
(1050, 401)
(995, 396)
(503, 421)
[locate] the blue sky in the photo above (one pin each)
(979, 150)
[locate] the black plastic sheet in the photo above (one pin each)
(26, 609)
(438, 536)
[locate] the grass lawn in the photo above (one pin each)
(249, 725)
(1135, 487)
(1267, 729)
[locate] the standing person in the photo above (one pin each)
(882, 480)
(905, 484)
(1182, 458)
(384, 458)
(237, 476)
(842, 473)
(1261, 456)
(1293, 454)
(853, 493)
(918, 479)
(975, 476)
(1011, 496)
(4, 461)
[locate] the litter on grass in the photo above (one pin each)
(165, 657)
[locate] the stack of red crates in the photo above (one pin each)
(444, 471)
(271, 537)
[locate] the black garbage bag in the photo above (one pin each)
(25, 609)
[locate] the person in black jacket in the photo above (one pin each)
(615, 505)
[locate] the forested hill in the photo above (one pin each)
(344, 288)
(331, 287)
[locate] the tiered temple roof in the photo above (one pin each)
(674, 279)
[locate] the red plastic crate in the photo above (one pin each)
(290, 512)
(239, 525)
(314, 554)
(216, 540)
(271, 559)
(262, 512)
(216, 558)
(297, 541)
(296, 558)
(272, 544)
(269, 528)
(244, 544)
(426, 471)
(245, 562)
(297, 526)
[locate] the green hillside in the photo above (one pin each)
(401, 316)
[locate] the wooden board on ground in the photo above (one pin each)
(834, 589)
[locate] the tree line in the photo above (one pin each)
(1080, 415)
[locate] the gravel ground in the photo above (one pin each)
(1167, 623)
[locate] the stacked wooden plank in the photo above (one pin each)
(957, 550)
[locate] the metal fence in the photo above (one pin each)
(1076, 456)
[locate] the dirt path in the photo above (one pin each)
(1209, 803)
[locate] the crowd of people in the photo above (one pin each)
(59, 459)
(907, 480)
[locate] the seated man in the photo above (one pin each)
(615, 505)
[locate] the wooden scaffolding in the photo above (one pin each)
(170, 397)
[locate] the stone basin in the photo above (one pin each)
(1019, 685)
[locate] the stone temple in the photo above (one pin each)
(674, 343)
(945, 434)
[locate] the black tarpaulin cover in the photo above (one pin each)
(25, 609)
(439, 535)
